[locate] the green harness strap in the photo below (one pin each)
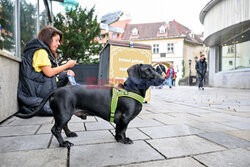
(119, 93)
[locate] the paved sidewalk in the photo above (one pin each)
(179, 127)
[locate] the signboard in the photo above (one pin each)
(121, 58)
(111, 16)
(107, 19)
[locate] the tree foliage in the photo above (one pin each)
(80, 28)
(7, 19)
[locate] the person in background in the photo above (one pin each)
(170, 75)
(160, 69)
(201, 68)
(39, 72)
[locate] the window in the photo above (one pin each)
(114, 35)
(230, 49)
(235, 54)
(42, 14)
(163, 54)
(170, 48)
(156, 48)
(135, 32)
(28, 21)
(7, 23)
(162, 30)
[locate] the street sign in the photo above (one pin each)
(111, 17)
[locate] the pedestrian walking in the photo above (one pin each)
(201, 68)
(170, 76)
(160, 69)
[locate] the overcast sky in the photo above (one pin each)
(185, 12)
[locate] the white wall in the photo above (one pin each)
(175, 58)
(224, 14)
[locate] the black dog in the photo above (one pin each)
(66, 100)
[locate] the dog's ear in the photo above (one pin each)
(134, 73)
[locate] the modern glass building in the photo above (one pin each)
(20, 21)
(227, 33)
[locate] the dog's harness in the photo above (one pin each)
(120, 93)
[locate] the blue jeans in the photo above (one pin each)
(170, 81)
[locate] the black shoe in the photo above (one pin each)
(202, 88)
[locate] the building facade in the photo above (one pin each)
(227, 34)
(172, 43)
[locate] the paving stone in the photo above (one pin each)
(210, 126)
(98, 125)
(154, 116)
(112, 154)
(74, 127)
(236, 158)
(134, 134)
(179, 162)
(39, 158)
(7, 121)
(238, 124)
(87, 137)
(19, 143)
(225, 140)
(243, 134)
(184, 146)
(137, 123)
(32, 121)
(170, 131)
(174, 120)
(18, 130)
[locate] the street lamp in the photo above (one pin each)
(196, 59)
(189, 62)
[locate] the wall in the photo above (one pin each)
(9, 67)
(172, 58)
(192, 50)
(224, 14)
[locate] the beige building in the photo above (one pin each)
(172, 43)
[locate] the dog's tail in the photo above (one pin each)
(45, 99)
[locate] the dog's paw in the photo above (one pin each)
(71, 134)
(125, 141)
(66, 144)
(128, 141)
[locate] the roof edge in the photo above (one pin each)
(208, 6)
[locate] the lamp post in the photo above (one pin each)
(196, 59)
(189, 62)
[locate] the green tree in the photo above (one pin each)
(7, 19)
(80, 29)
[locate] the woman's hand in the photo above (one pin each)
(71, 63)
(71, 73)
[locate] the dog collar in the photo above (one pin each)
(119, 93)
